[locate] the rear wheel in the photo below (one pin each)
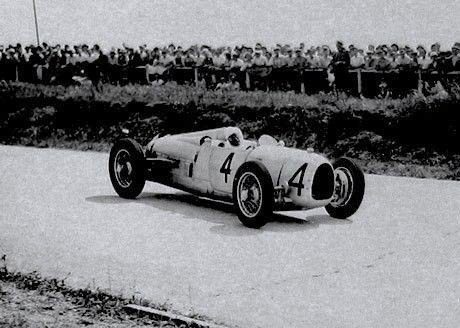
(126, 168)
(253, 195)
(348, 190)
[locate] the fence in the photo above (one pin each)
(369, 83)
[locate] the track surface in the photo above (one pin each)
(396, 263)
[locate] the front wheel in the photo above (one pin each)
(348, 190)
(253, 195)
(126, 168)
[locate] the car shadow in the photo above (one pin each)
(219, 213)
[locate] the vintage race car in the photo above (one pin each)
(259, 177)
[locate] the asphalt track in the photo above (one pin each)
(396, 263)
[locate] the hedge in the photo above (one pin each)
(337, 125)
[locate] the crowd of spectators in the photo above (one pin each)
(222, 67)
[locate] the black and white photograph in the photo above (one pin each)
(230, 164)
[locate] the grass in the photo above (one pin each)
(28, 300)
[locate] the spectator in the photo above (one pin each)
(402, 60)
(247, 60)
(413, 64)
(199, 58)
(156, 81)
(371, 49)
(233, 84)
(259, 71)
(299, 61)
(356, 60)
(436, 48)
(325, 58)
(312, 59)
(165, 59)
(221, 85)
(289, 58)
(112, 66)
(236, 63)
(277, 60)
(453, 61)
(423, 60)
(381, 63)
(392, 59)
(53, 63)
(219, 58)
(123, 61)
(259, 60)
(178, 58)
(340, 63)
(227, 60)
(434, 59)
(189, 60)
(268, 55)
(370, 60)
(207, 59)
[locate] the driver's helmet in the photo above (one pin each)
(234, 136)
(234, 140)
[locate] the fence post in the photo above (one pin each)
(302, 84)
(248, 81)
(360, 85)
(196, 76)
(420, 82)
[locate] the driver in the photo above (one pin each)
(234, 140)
(234, 137)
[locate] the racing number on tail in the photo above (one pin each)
(300, 173)
(225, 168)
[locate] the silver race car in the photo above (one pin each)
(259, 177)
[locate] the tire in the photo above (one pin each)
(126, 168)
(254, 215)
(348, 199)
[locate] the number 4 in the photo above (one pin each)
(299, 185)
(225, 168)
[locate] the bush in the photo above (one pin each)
(388, 129)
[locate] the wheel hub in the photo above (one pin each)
(249, 190)
(343, 187)
(123, 168)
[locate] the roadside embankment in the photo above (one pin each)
(415, 136)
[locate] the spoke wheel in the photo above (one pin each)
(123, 168)
(343, 187)
(126, 168)
(253, 194)
(249, 194)
(349, 186)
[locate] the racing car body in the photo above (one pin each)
(257, 176)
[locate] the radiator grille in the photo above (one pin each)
(323, 182)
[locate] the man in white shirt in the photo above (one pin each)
(277, 60)
(290, 58)
(165, 59)
(402, 60)
(259, 60)
(325, 58)
(356, 61)
(312, 59)
(236, 62)
(423, 60)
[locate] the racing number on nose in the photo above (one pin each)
(300, 173)
(225, 168)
